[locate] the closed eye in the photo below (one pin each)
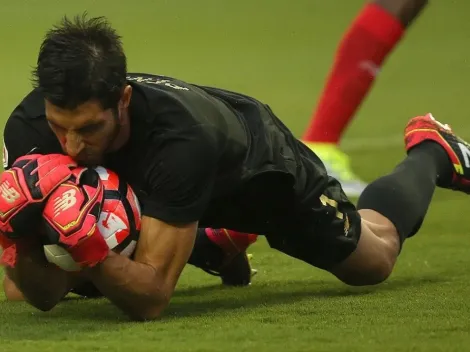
(55, 126)
(92, 128)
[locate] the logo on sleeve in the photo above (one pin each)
(5, 155)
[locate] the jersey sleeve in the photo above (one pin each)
(19, 139)
(181, 174)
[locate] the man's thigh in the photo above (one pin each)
(321, 230)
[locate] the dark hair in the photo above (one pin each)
(80, 60)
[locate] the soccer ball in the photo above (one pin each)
(119, 221)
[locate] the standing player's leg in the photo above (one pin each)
(393, 207)
(370, 39)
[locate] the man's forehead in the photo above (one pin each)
(83, 114)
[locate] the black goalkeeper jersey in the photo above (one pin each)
(194, 153)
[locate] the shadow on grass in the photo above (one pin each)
(216, 299)
(84, 316)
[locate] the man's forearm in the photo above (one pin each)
(136, 288)
(42, 284)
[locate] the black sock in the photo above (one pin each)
(404, 196)
(206, 254)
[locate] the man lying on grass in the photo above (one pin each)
(197, 157)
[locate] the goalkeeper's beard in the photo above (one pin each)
(111, 141)
(115, 133)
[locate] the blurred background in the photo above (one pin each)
(280, 52)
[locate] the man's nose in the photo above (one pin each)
(73, 144)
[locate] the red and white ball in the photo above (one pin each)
(119, 222)
(120, 216)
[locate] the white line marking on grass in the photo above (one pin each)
(384, 142)
(358, 144)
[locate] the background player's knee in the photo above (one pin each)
(404, 10)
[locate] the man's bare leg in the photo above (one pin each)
(393, 207)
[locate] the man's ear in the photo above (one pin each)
(125, 97)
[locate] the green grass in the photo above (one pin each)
(280, 52)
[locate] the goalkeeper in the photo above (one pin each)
(197, 157)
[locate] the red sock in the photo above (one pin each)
(371, 37)
(230, 241)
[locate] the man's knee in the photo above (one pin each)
(374, 273)
(376, 253)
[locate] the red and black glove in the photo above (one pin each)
(24, 189)
(71, 216)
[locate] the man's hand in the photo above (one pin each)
(41, 284)
(71, 215)
(25, 187)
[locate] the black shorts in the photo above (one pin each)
(301, 210)
(323, 227)
(322, 232)
(318, 225)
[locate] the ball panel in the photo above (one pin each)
(59, 256)
(135, 206)
(113, 228)
(102, 173)
(129, 250)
